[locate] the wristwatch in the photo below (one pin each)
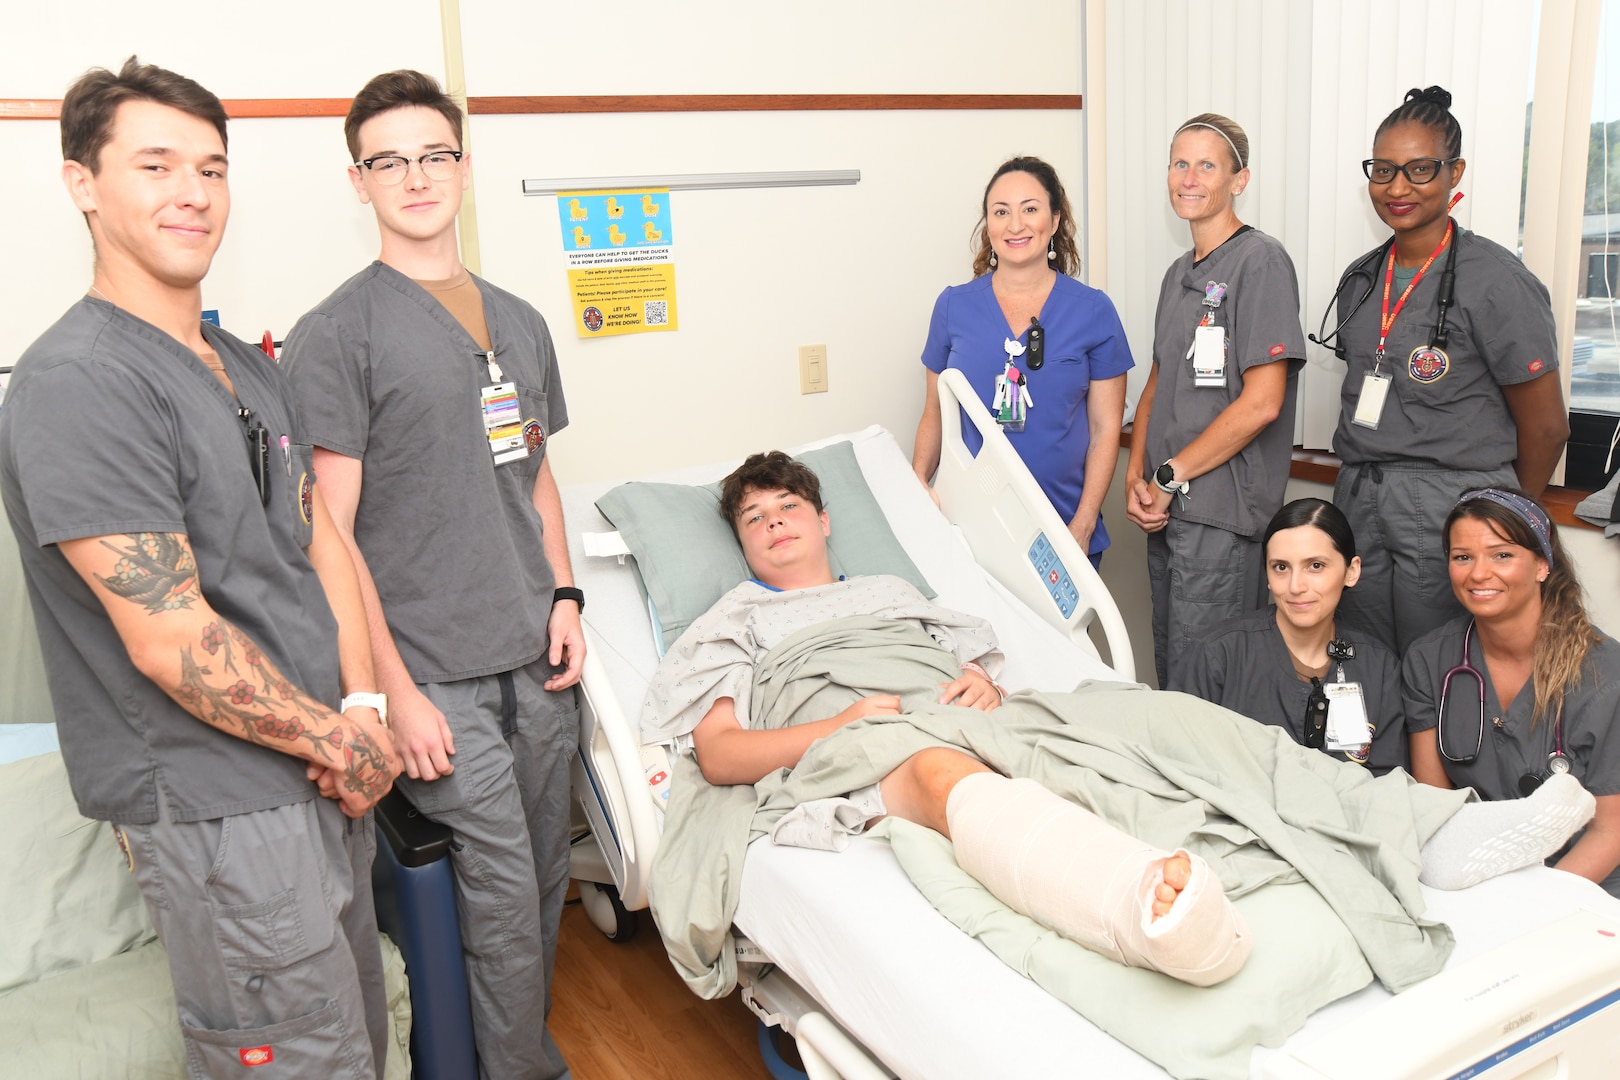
(367, 700)
(1165, 477)
(568, 592)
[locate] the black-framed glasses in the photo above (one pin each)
(258, 444)
(1421, 170)
(390, 169)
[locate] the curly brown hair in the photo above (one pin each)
(1068, 253)
(770, 471)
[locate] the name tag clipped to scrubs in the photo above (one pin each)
(1370, 402)
(1209, 341)
(1347, 716)
(1011, 402)
(503, 416)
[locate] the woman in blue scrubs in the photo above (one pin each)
(1045, 353)
(1534, 687)
(1290, 664)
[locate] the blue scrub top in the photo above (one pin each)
(1084, 341)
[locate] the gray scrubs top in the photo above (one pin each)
(1510, 747)
(112, 427)
(1245, 666)
(383, 372)
(1449, 412)
(1261, 315)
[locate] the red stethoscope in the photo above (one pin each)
(1557, 761)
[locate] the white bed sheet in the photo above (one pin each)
(850, 927)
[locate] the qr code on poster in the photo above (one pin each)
(656, 312)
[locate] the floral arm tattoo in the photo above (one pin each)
(245, 694)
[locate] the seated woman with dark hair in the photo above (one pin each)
(1296, 665)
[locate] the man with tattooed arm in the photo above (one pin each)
(200, 619)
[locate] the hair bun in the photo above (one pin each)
(1437, 95)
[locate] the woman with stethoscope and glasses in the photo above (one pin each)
(1523, 687)
(1450, 355)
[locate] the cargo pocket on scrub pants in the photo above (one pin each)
(316, 1044)
(1203, 594)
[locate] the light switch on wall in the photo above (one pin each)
(812, 369)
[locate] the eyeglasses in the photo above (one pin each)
(1419, 170)
(391, 169)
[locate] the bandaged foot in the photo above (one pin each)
(1067, 869)
(1482, 840)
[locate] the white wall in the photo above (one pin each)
(758, 272)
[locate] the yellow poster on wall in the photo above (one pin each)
(621, 264)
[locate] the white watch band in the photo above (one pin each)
(367, 700)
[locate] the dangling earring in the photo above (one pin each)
(1051, 251)
(992, 258)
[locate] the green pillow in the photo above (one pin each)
(1304, 957)
(688, 557)
(68, 897)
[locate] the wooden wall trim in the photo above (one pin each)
(644, 103)
(48, 109)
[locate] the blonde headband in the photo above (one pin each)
(1222, 134)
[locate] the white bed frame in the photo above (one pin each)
(1014, 533)
(1008, 523)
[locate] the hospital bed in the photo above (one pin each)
(844, 952)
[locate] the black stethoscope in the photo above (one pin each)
(1557, 761)
(1368, 268)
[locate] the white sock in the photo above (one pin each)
(1485, 839)
(1067, 869)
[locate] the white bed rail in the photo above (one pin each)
(611, 785)
(998, 506)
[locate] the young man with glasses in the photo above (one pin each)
(430, 396)
(199, 616)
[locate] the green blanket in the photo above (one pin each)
(1170, 769)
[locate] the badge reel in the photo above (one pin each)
(503, 416)
(1209, 341)
(1011, 401)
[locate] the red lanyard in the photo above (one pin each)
(1388, 318)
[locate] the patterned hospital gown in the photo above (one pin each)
(716, 655)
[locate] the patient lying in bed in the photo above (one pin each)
(801, 657)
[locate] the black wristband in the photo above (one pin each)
(568, 592)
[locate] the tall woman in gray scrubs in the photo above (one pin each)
(1450, 357)
(1523, 685)
(1297, 666)
(1215, 423)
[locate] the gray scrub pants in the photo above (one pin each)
(1201, 576)
(272, 939)
(1397, 510)
(507, 807)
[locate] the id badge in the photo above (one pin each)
(503, 422)
(1209, 356)
(1347, 716)
(1370, 402)
(1011, 401)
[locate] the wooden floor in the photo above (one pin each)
(620, 1012)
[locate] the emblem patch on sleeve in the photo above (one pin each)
(1278, 350)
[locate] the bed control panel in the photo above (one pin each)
(1059, 585)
